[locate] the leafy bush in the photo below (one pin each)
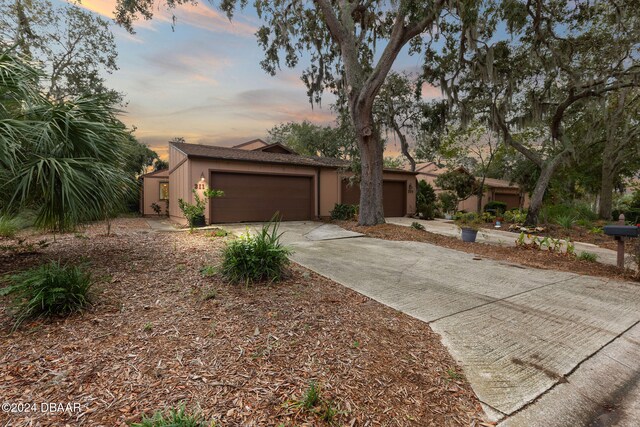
(425, 200)
(417, 225)
(262, 257)
(495, 206)
(468, 220)
(487, 217)
(629, 205)
(195, 212)
(174, 418)
(448, 201)
(51, 289)
(156, 208)
(550, 214)
(515, 216)
(565, 221)
(9, 226)
(587, 256)
(344, 212)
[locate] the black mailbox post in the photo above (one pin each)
(620, 232)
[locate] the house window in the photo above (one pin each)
(164, 191)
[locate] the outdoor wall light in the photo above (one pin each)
(202, 176)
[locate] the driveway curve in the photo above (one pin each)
(539, 347)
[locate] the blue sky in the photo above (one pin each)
(203, 80)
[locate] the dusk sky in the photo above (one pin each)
(203, 80)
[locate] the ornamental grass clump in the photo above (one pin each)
(48, 290)
(256, 258)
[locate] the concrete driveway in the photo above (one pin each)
(539, 347)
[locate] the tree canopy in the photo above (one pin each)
(75, 46)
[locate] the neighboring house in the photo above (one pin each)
(495, 189)
(260, 179)
(155, 189)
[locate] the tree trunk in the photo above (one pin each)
(479, 196)
(404, 146)
(606, 190)
(538, 193)
(371, 159)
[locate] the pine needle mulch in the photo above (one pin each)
(161, 335)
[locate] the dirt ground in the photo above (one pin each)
(160, 334)
(520, 255)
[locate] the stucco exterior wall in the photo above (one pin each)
(151, 194)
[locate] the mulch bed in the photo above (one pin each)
(521, 255)
(160, 335)
(575, 234)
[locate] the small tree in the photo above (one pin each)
(459, 183)
(425, 200)
(194, 213)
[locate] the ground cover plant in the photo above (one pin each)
(256, 258)
(52, 289)
(240, 357)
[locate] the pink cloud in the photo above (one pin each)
(199, 16)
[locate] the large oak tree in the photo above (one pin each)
(536, 62)
(352, 46)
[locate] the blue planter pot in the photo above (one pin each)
(469, 235)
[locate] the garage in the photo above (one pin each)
(257, 197)
(393, 196)
(512, 200)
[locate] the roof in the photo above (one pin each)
(226, 153)
(264, 144)
(499, 183)
(276, 147)
(431, 168)
(162, 173)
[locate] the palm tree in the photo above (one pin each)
(63, 158)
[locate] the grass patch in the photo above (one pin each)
(48, 290)
(174, 418)
(258, 258)
(416, 225)
(10, 225)
(313, 403)
(587, 256)
(208, 271)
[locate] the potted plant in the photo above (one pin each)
(195, 212)
(469, 223)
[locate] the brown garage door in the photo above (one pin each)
(257, 197)
(512, 200)
(393, 196)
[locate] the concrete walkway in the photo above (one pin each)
(539, 347)
(506, 238)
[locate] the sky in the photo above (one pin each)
(202, 79)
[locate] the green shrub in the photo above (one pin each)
(417, 225)
(565, 221)
(344, 212)
(587, 256)
(174, 418)
(549, 214)
(495, 206)
(448, 201)
(262, 257)
(515, 216)
(468, 220)
(10, 225)
(487, 217)
(194, 213)
(425, 200)
(47, 290)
